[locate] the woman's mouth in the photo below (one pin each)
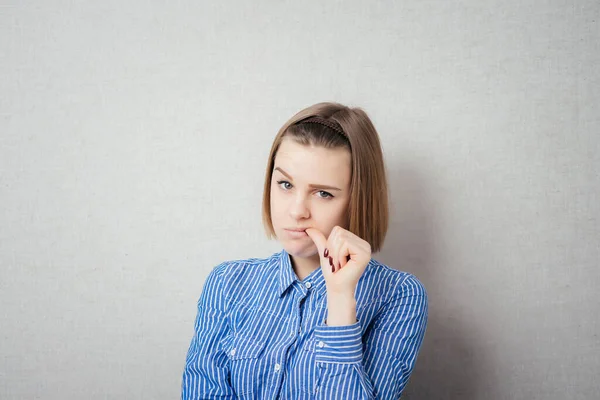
(296, 233)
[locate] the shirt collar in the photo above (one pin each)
(287, 276)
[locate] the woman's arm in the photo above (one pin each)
(206, 374)
(379, 368)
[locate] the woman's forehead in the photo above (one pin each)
(314, 164)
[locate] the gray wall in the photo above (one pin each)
(133, 141)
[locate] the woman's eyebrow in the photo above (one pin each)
(314, 186)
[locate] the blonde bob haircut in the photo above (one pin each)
(368, 206)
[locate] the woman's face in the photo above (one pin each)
(310, 188)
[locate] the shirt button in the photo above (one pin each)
(321, 344)
(277, 367)
(232, 352)
(308, 285)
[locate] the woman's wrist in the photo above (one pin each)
(341, 309)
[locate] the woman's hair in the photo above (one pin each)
(333, 125)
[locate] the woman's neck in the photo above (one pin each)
(305, 266)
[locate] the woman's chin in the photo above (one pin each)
(296, 249)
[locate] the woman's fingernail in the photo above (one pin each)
(331, 262)
(332, 269)
(326, 253)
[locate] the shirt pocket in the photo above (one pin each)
(246, 364)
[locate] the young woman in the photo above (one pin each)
(320, 319)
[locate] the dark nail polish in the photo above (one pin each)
(332, 269)
(331, 261)
(326, 253)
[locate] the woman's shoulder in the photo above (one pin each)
(243, 268)
(239, 279)
(394, 282)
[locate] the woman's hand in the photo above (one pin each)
(344, 258)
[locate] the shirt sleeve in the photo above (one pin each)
(380, 368)
(206, 374)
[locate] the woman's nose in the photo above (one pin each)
(299, 209)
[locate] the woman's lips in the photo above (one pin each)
(296, 234)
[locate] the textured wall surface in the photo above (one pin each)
(133, 142)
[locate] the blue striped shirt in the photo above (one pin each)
(260, 333)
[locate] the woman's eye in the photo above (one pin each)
(325, 195)
(284, 185)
